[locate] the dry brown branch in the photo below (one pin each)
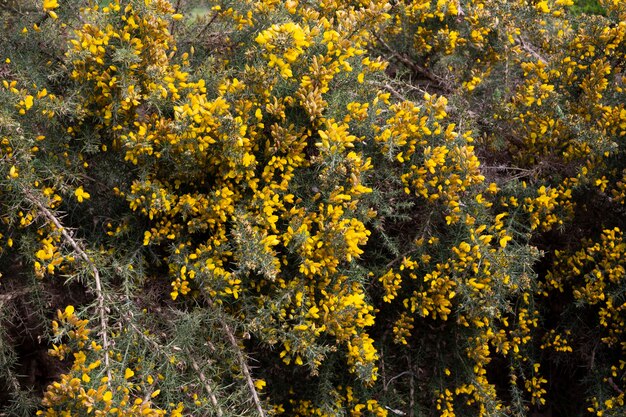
(5, 298)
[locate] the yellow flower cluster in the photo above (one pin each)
(598, 266)
(287, 40)
(83, 389)
(235, 153)
(543, 208)
(345, 402)
(556, 341)
(592, 275)
(123, 61)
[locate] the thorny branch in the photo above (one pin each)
(389, 88)
(94, 270)
(414, 66)
(526, 46)
(242, 361)
(205, 381)
(209, 23)
(207, 387)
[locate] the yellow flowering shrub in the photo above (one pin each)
(263, 207)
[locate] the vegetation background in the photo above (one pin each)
(301, 208)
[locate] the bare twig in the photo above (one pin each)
(408, 86)
(614, 386)
(207, 387)
(417, 69)
(173, 23)
(390, 89)
(4, 298)
(241, 359)
(531, 50)
(399, 258)
(94, 270)
(395, 411)
(244, 367)
(386, 385)
(504, 168)
(411, 392)
(209, 23)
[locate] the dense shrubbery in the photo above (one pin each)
(312, 208)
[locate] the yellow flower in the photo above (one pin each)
(108, 396)
(28, 102)
(543, 7)
(81, 195)
(50, 4)
(259, 384)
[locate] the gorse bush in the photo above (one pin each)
(312, 208)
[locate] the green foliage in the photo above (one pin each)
(588, 7)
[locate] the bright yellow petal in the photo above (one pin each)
(50, 4)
